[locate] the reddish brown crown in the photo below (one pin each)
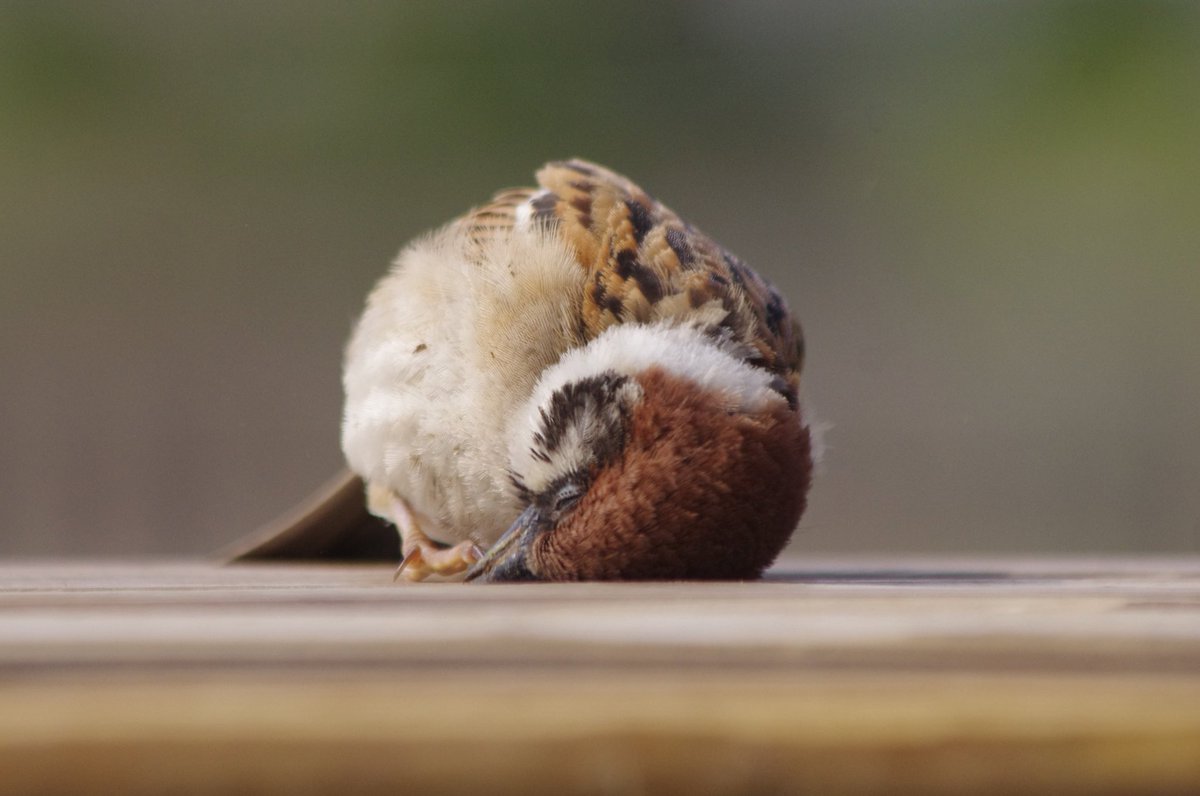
(699, 493)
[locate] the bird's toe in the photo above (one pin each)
(426, 559)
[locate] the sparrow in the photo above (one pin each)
(571, 382)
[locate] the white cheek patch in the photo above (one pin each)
(630, 350)
(591, 431)
(571, 456)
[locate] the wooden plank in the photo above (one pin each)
(857, 676)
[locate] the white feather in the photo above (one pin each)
(444, 352)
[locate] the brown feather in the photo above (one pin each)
(700, 493)
(645, 263)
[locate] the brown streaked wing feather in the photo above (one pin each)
(494, 220)
(645, 263)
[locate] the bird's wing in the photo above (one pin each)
(645, 264)
(496, 219)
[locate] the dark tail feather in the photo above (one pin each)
(332, 524)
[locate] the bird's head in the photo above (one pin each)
(653, 453)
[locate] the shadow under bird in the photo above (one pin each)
(568, 383)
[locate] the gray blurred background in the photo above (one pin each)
(985, 214)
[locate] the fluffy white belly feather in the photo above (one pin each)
(449, 348)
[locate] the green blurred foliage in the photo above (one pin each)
(984, 213)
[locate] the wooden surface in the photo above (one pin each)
(858, 676)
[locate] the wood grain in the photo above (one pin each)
(854, 676)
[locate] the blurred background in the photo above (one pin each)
(987, 216)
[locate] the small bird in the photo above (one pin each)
(573, 383)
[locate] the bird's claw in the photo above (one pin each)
(425, 559)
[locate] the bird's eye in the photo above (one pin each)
(567, 497)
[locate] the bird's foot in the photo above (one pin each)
(425, 558)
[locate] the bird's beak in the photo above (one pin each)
(507, 560)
